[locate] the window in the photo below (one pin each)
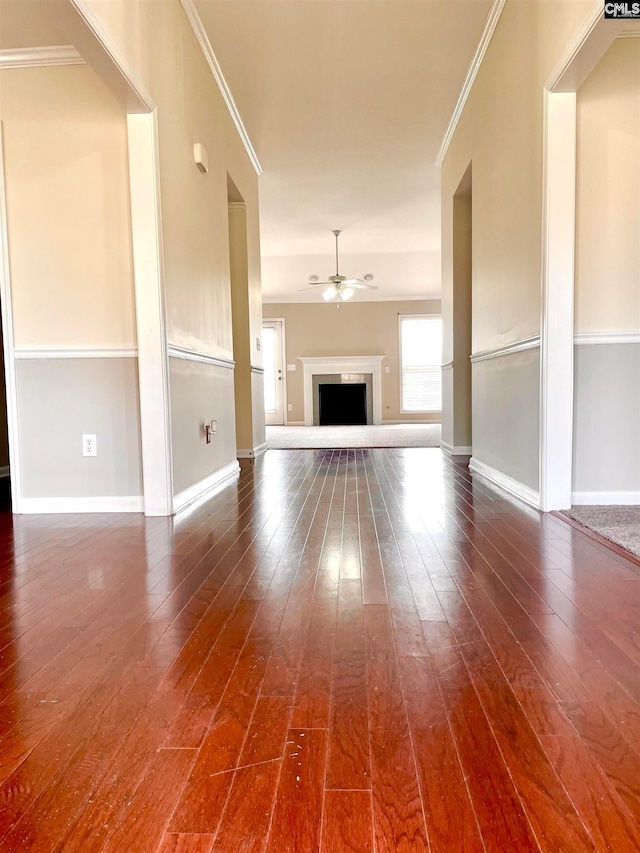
(420, 363)
(268, 359)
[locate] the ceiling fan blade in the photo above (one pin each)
(314, 285)
(320, 284)
(349, 282)
(361, 285)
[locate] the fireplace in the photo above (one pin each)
(343, 370)
(342, 404)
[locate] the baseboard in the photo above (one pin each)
(605, 498)
(435, 422)
(455, 451)
(33, 506)
(252, 454)
(506, 483)
(4, 471)
(206, 488)
(294, 423)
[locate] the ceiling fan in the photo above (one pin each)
(339, 286)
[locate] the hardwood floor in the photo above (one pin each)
(354, 650)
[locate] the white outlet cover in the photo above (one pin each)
(387, 369)
(89, 445)
(291, 367)
(290, 407)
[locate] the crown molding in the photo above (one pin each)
(489, 27)
(36, 57)
(630, 34)
(203, 39)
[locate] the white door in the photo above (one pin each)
(272, 340)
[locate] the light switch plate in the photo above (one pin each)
(291, 367)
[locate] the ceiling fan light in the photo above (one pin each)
(346, 293)
(329, 293)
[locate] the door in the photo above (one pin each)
(273, 360)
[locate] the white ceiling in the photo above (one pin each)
(346, 103)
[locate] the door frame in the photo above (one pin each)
(266, 321)
(10, 375)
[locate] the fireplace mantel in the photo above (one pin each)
(342, 364)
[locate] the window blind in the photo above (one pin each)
(421, 355)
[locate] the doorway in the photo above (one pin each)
(274, 382)
(462, 315)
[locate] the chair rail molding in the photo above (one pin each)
(37, 57)
(75, 352)
(598, 338)
(196, 355)
(522, 345)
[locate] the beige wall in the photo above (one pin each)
(61, 399)
(66, 170)
(606, 452)
(65, 140)
(241, 327)
(462, 286)
(4, 437)
(355, 328)
(501, 133)
(199, 393)
(608, 193)
(157, 42)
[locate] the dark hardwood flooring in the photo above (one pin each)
(346, 651)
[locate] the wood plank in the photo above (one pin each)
(347, 825)
(298, 807)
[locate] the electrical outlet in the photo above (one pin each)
(89, 445)
(214, 427)
(289, 407)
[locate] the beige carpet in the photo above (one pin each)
(620, 524)
(387, 435)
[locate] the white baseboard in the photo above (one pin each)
(32, 506)
(605, 498)
(4, 471)
(455, 451)
(252, 454)
(206, 488)
(418, 423)
(506, 483)
(294, 423)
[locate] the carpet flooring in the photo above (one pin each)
(620, 524)
(386, 435)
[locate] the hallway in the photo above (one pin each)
(346, 651)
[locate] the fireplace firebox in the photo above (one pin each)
(343, 405)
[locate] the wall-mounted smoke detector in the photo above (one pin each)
(314, 278)
(368, 277)
(201, 157)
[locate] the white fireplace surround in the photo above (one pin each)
(342, 364)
